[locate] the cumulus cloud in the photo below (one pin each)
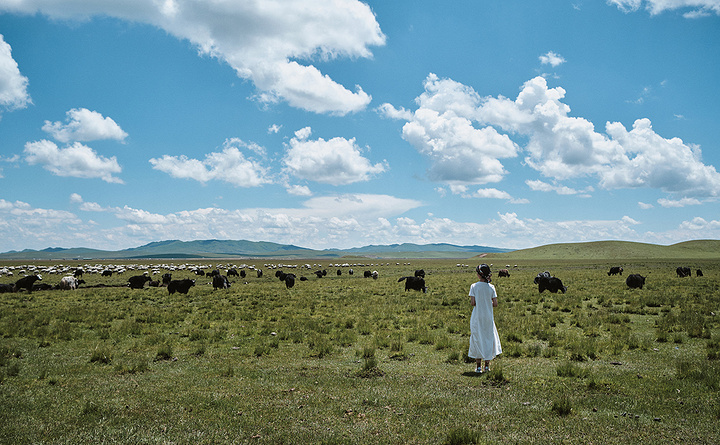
(321, 222)
(679, 202)
(540, 186)
(13, 85)
(337, 161)
(552, 59)
(695, 8)
(460, 132)
(443, 129)
(84, 125)
(230, 165)
(76, 160)
(24, 226)
(264, 42)
(563, 147)
(299, 190)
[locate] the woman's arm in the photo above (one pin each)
(472, 300)
(495, 303)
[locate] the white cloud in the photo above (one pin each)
(84, 125)
(684, 202)
(391, 112)
(358, 205)
(698, 8)
(230, 165)
(22, 226)
(552, 59)
(274, 129)
(492, 193)
(77, 160)
(644, 205)
(442, 129)
(337, 161)
(13, 85)
(559, 146)
(264, 42)
(701, 225)
(540, 186)
(649, 160)
(299, 190)
(563, 147)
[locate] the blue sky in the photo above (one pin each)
(336, 124)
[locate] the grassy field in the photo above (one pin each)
(349, 360)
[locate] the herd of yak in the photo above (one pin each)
(544, 280)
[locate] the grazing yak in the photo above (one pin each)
(615, 270)
(78, 272)
(289, 280)
(138, 281)
(635, 281)
(373, 274)
(420, 273)
(70, 283)
(503, 273)
(42, 286)
(683, 272)
(220, 282)
(166, 278)
(259, 273)
(233, 273)
(182, 286)
(545, 281)
(27, 282)
(699, 273)
(414, 283)
(106, 273)
(319, 273)
(6, 288)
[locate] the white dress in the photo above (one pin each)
(484, 339)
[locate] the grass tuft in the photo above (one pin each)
(562, 406)
(462, 436)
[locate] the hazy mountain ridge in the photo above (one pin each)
(247, 249)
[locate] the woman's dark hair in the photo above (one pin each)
(484, 270)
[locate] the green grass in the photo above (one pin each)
(352, 360)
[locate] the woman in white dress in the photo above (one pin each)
(484, 339)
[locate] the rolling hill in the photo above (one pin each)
(610, 250)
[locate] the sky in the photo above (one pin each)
(340, 123)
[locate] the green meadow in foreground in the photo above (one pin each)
(352, 360)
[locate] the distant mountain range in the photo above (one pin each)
(249, 249)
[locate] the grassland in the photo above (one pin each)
(351, 360)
